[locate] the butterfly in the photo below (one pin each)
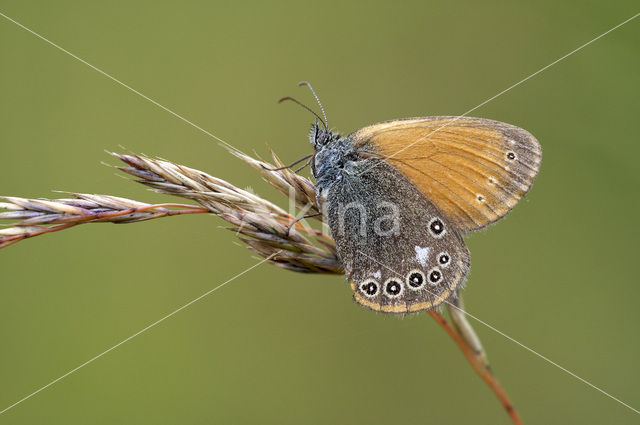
(399, 195)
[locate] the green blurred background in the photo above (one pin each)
(560, 274)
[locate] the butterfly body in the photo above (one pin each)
(399, 195)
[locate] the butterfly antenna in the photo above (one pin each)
(305, 107)
(306, 83)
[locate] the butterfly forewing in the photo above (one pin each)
(474, 170)
(399, 251)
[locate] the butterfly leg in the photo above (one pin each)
(297, 161)
(289, 227)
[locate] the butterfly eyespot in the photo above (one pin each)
(480, 198)
(415, 279)
(492, 181)
(511, 156)
(436, 227)
(393, 287)
(369, 288)
(444, 259)
(435, 275)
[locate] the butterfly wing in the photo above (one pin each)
(474, 170)
(399, 252)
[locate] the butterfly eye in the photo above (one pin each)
(435, 275)
(415, 279)
(393, 287)
(511, 156)
(369, 287)
(436, 227)
(351, 156)
(444, 259)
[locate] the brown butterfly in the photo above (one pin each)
(399, 195)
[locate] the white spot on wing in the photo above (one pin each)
(377, 274)
(422, 254)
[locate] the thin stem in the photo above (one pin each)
(478, 365)
(10, 240)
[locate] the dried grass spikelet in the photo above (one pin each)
(260, 224)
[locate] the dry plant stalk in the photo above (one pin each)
(264, 227)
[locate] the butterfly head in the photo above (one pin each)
(318, 136)
(321, 136)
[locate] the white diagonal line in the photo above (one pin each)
(135, 334)
(509, 88)
(109, 76)
(548, 360)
